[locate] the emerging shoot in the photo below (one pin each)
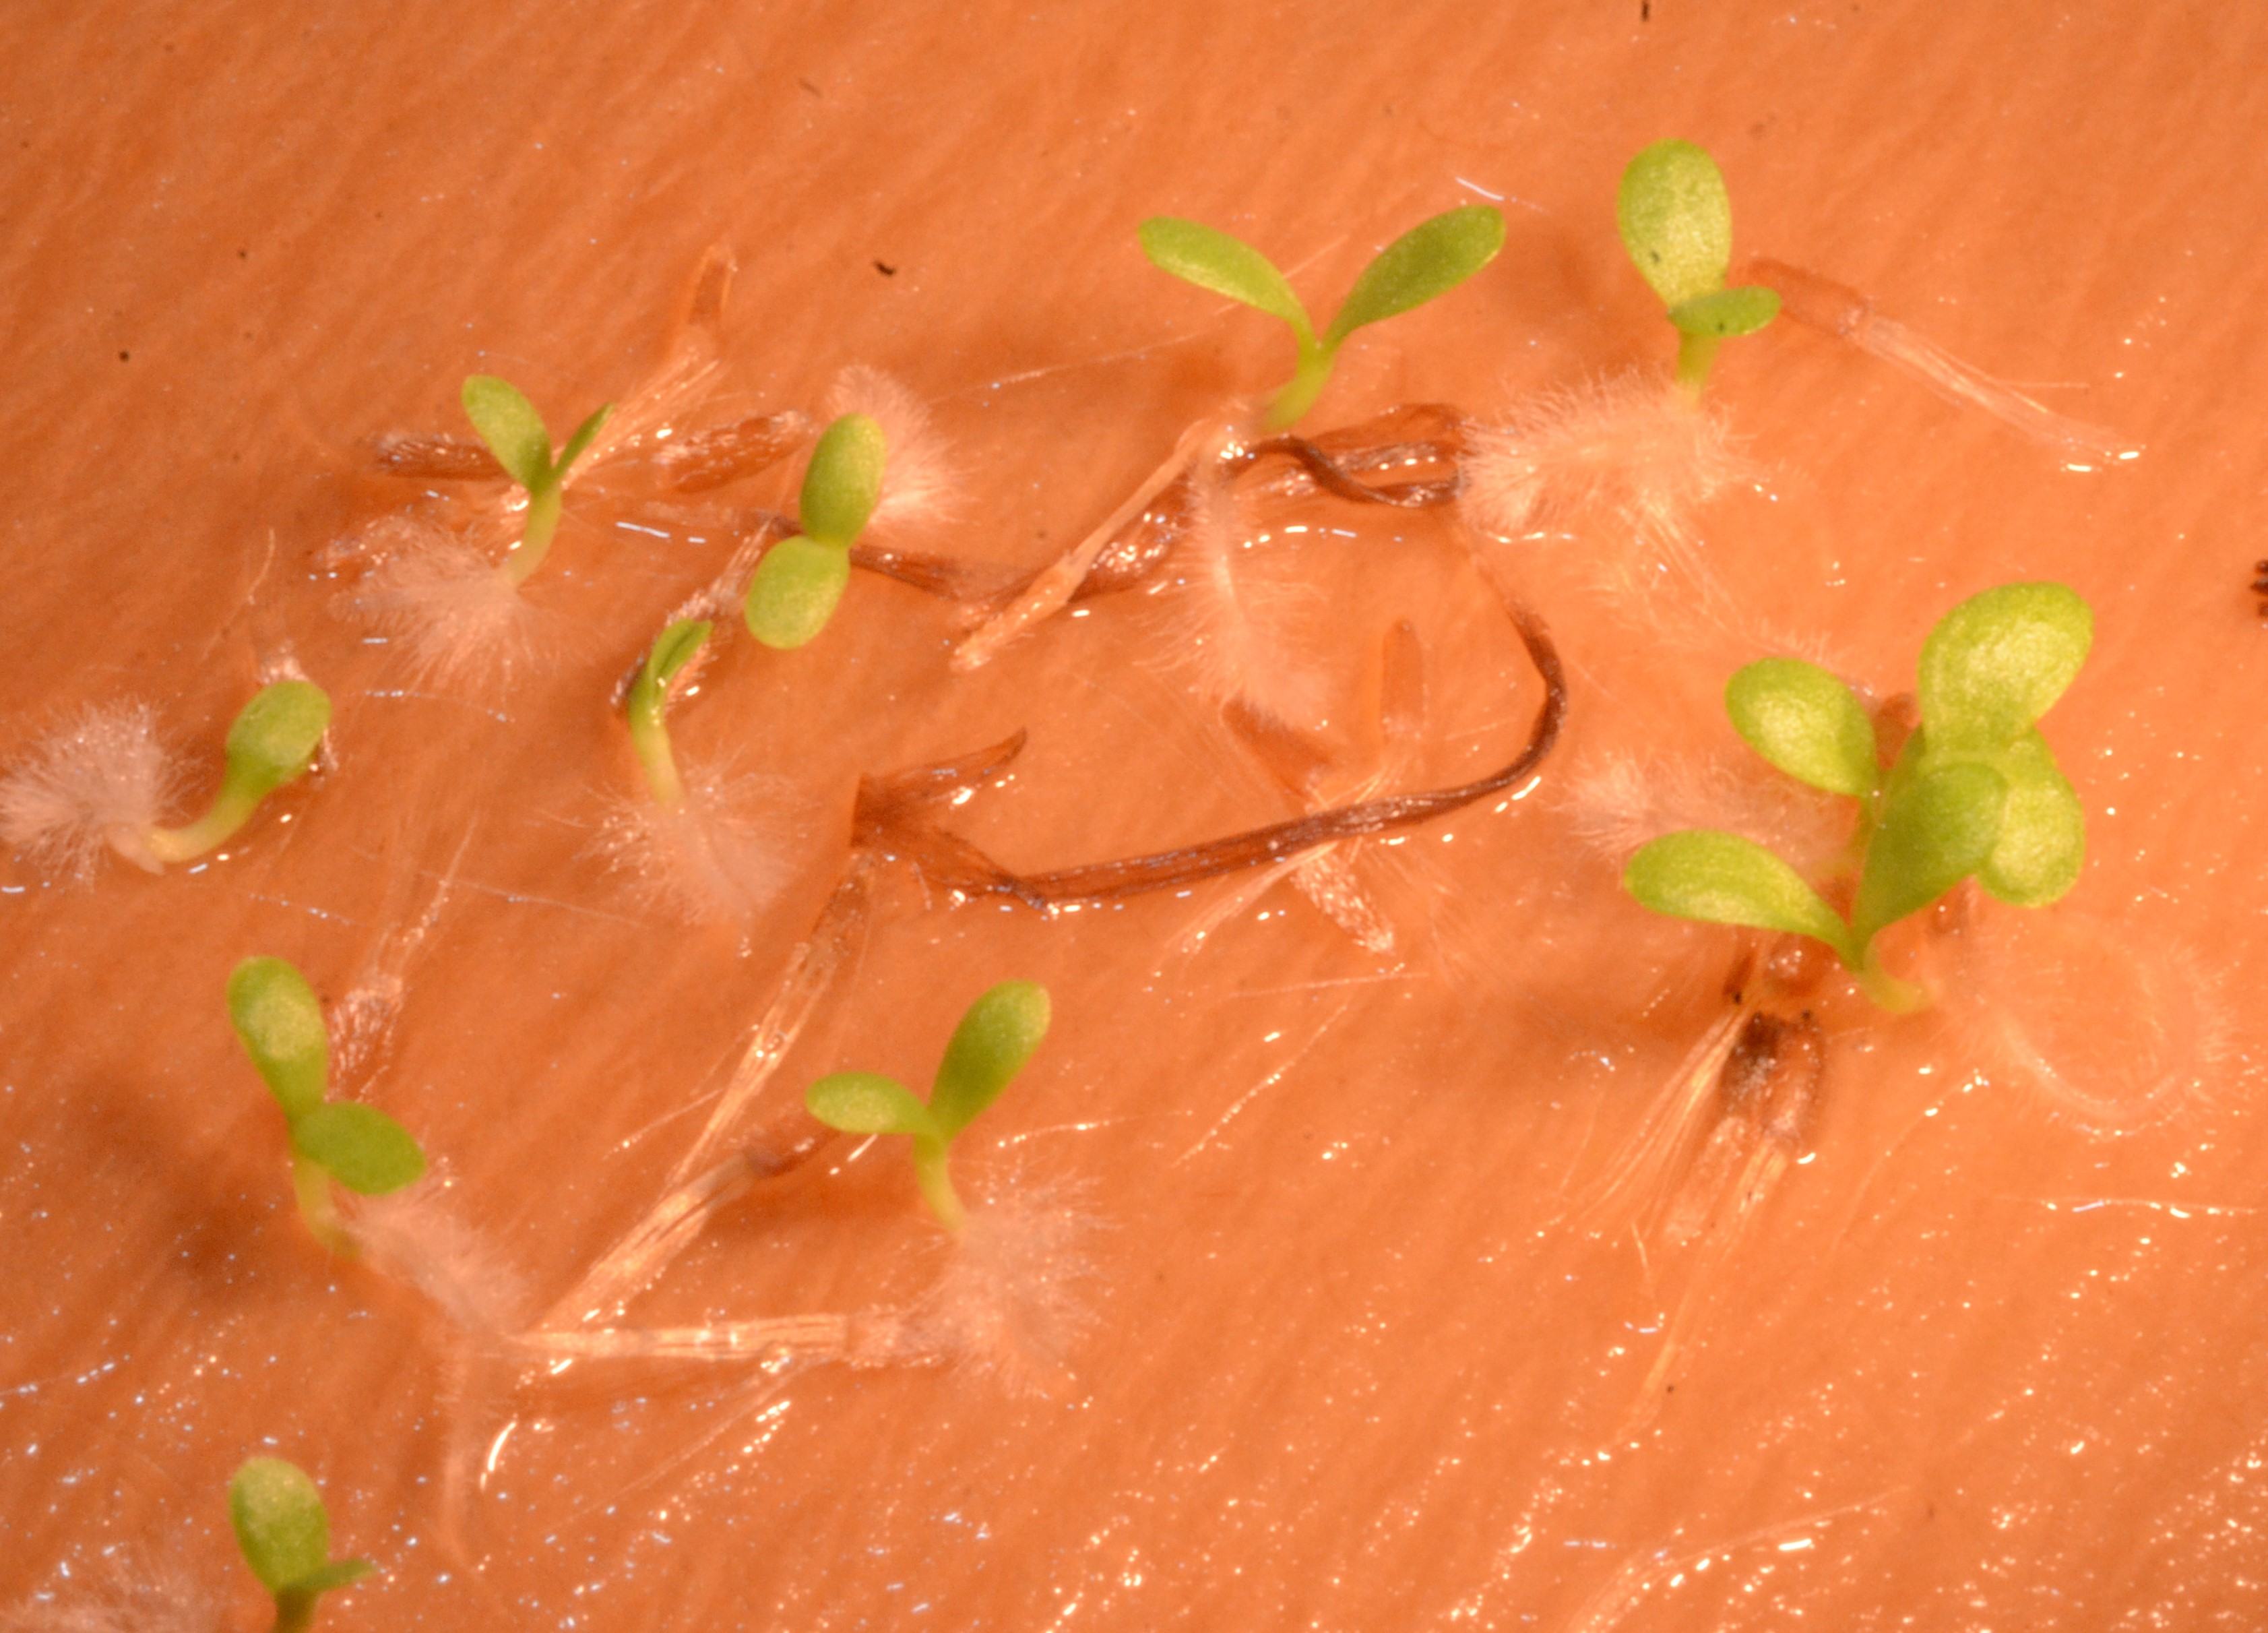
(1431, 258)
(284, 1534)
(1975, 791)
(677, 646)
(990, 1046)
(1676, 221)
(271, 743)
(800, 578)
(516, 434)
(280, 1023)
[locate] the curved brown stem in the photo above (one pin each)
(887, 818)
(1414, 434)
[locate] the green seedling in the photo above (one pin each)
(649, 701)
(284, 1534)
(800, 578)
(280, 1023)
(1431, 258)
(271, 743)
(516, 434)
(990, 1046)
(1676, 222)
(1975, 791)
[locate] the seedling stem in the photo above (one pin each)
(1696, 354)
(536, 533)
(318, 1209)
(932, 1174)
(648, 704)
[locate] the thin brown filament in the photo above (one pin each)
(953, 864)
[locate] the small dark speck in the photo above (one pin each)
(125, 356)
(885, 268)
(244, 255)
(1645, 11)
(808, 86)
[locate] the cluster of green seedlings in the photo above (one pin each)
(1673, 211)
(1974, 791)
(283, 1532)
(334, 1142)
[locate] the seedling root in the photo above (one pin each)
(1835, 310)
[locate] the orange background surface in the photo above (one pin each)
(1990, 1357)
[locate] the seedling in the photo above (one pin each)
(284, 1534)
(1975, 791)
(271, 743)
(516, 434)
(1676, 221)
(677, 646)
(280, 1023)
(1431, 258)
(990, 1046)
(800, 578)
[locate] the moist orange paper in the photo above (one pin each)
(1986, 1357)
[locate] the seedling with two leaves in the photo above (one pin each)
(1676, 221)
(800, 580)
(1430, 260)
(996, 1037)
(280, 1023)
(1975, 791)
(516, 434)
(284, 1533)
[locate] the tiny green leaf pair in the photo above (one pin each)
(1676, 221)
(280, 1023)
(800, 580)
(1975, 791)
(272, 742)
(284, 1533)
(516, 434)
(1430, 260)
(648, 704)
(996, 1037)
